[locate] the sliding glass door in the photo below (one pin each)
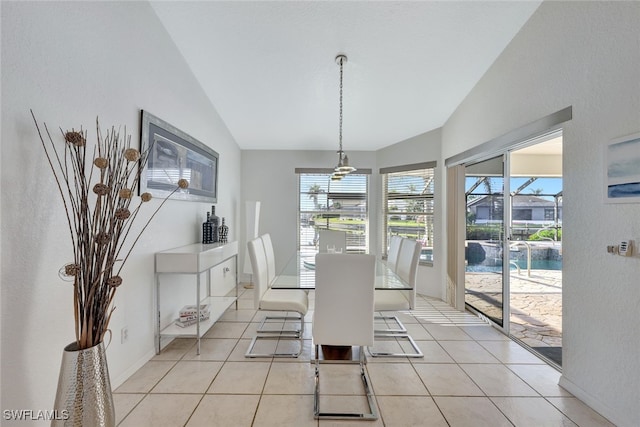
(513, 243)
(485, 278)
(535, 282)
(504, 232)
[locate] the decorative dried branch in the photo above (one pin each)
(99, 218)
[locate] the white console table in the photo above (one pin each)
(195, 259)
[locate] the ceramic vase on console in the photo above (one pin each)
(215, 224)
(84, 395)
(223, 232)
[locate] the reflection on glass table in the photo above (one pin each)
(299, 273)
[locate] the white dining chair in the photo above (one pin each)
(271, 276)
(271, 257)
(394, 250)
(332, 239)
(394, 300)
(343, 316)
(267, 299)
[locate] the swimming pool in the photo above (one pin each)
(539, 264)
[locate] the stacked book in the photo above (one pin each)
(189, 315)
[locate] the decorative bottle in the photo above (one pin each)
(223, 232)
(207, 230)
(215, 223)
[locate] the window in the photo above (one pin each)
(408, 201)
(549, 214)
(336, 205)
(522, 214)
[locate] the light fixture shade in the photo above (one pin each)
(344, 166)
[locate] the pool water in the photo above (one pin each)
(543, 264)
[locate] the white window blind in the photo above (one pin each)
(408, 205)
(335, 205)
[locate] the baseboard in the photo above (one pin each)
(594, 403)
(117, 382)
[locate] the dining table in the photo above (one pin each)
(299, 273)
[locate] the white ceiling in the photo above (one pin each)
(269, 69)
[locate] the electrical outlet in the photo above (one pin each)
(625, 248)
(124, 335)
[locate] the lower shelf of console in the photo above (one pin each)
(217, 305)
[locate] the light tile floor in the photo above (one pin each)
(471, 375)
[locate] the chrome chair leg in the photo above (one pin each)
(261, 329)
(401, 329)
(320, 415)
(398, 333)
(417, 352)
(280, 336)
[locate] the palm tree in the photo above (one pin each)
(413, 205)
(314, 190)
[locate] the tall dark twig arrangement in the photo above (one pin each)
(97, 187)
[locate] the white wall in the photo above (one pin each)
(71, 62)
(269, 176)
(587, 55)
(422, 148)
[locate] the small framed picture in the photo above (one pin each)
(622, 170)
(174, 155)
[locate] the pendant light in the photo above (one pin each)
(343, 168)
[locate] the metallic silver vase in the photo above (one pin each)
(84, 395)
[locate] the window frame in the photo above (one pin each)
(340, 211)
(429, 169)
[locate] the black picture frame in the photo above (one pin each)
(176, 155)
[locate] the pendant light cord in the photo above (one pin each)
(343, 168)
(340, 135)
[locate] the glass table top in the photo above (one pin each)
(299, 273)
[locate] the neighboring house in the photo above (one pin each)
(525, 209)
(347, 202)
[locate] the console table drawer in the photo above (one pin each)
(194, 258)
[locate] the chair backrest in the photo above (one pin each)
(259, 267)
(394, 249)
(332, 238)
(407, 266)
(343, 313)
(271, 257)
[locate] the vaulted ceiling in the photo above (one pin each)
(269, 69)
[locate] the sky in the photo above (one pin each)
(549, 186)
